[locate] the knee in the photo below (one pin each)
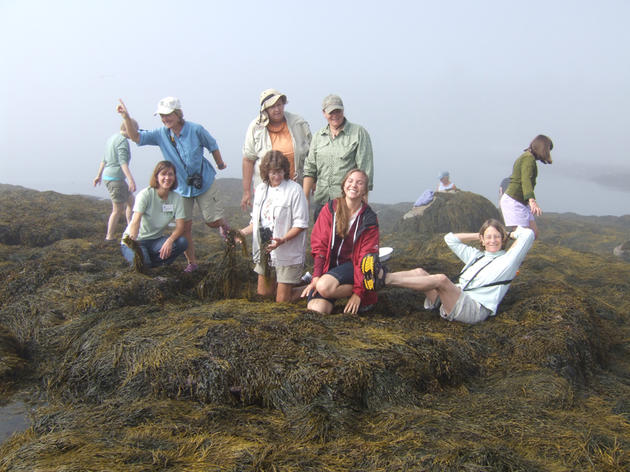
(320, 306)
(182, 243)
(324, 288)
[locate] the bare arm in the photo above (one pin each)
(308, 185)
(130, 126)
(467, 237)
(218, 159)
(127, 172)
(99, 175)
(292, 233)
(167, 247)
(248, 173)
(134, 225)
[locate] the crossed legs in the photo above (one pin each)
(433, 286)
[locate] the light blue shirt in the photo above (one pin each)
(504, 266)
(185, 152)
(116, 154)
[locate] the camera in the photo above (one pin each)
(195, 180)
(265, 235)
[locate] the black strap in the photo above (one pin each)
(172, 139)
(491, 284)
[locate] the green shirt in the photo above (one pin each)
(523, 178)
(116, 154)
(156, 213)
(330, 159)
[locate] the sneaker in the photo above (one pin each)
(306, 278)
(373, 272)
(191, 268)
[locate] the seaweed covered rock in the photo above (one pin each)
(457, 212)
(174, 371)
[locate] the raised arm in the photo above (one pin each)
(130, 126)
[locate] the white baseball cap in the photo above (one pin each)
(168, 105)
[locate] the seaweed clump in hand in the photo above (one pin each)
(138, 260)
(225, 279)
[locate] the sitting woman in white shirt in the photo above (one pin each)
(483, 282)
(445, 184)
(279, 221)
(155, 207)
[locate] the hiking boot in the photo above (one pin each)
(373, 272)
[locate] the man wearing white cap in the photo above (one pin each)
(273, 130)
(182, 143)
(337, 148)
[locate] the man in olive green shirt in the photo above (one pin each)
(335, 149)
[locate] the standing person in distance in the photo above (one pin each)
(278, 130)
(182, 144)
(335, 149)
(518, 202)
(113, 170)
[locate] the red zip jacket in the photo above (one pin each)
(365, 242)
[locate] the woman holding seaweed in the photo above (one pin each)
(156, 206)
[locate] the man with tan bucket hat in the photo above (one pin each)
(337, 148)
(277, 130)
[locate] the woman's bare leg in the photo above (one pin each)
(431, 285)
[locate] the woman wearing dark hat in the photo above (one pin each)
(518, 202)
(278, 130)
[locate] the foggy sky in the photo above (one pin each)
(451, 85)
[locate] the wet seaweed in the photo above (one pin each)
(138, 259)
(142, 373)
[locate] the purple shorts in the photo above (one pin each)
(514, 212)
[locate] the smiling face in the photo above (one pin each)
(166, 179)
(171, 120)
(276, 112)
(492, 239)
(335, 118)
(355, 186)
(276, 176)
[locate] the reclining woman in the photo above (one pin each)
(279, 221)
(156, 206)
(345, 231)
(483, 282)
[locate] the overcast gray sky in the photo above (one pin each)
(442, 85)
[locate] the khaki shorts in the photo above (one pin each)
(118, 190)
(291, 274)
(209, 204)
(466, 309)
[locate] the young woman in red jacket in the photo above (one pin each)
(345, 231)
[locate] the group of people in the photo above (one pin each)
(286, 171)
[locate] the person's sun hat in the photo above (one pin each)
(332, 103)
(269, 97)
(168, 105)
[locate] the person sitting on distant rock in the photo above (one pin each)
(445, 185)
(482, 284)
(346, 230)
(279, 221)
(518, 202)
(156, 206)
(113, 170)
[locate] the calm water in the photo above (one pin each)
(13, 418)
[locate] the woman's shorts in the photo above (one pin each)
(344, 274)
(118, 190)
(291, 274)
(514, 212)
(466, 309)
(209, 204)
